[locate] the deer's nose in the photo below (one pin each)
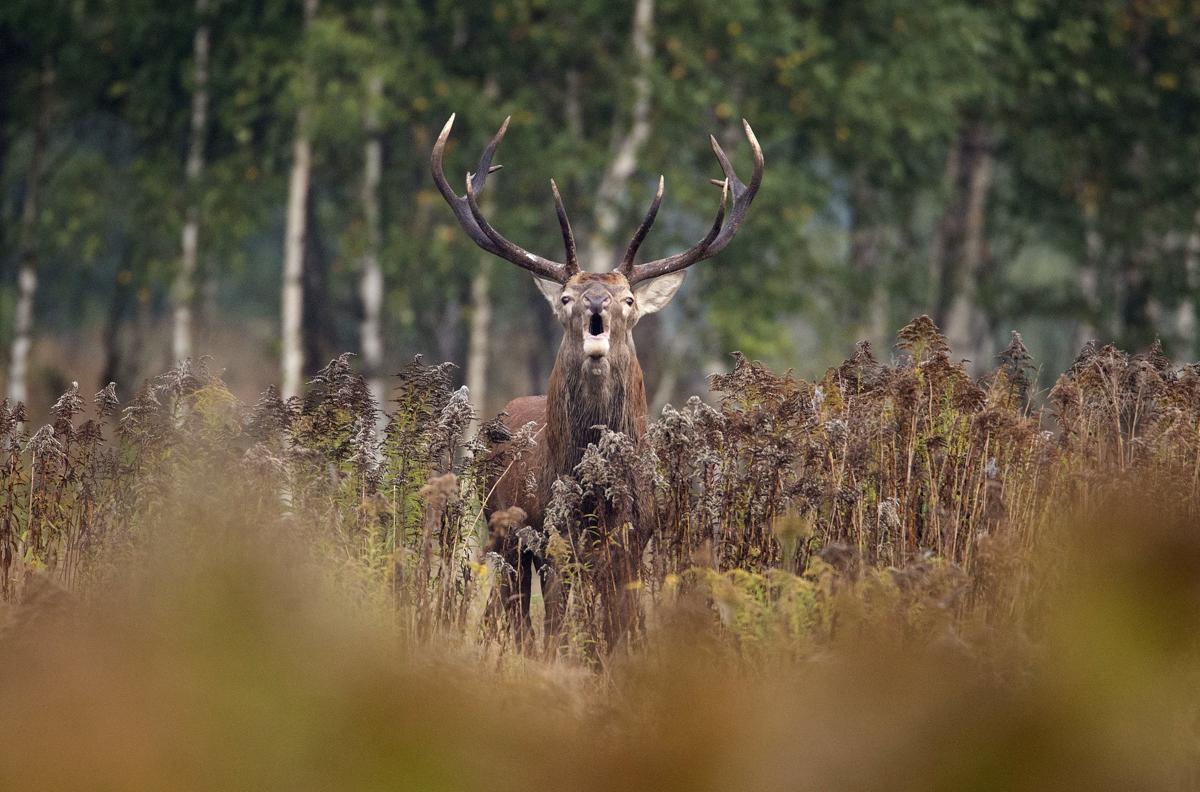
(596, 303)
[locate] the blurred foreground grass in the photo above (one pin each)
(895, 578)
(226, 659)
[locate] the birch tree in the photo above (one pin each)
(478, 338)
(27, 278)
(292, 309)
(480, 321)
(184, 290)
(371, 288)
(627, 143)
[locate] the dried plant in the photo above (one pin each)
(908, 476)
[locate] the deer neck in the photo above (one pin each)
(580, 399)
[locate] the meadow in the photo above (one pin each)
(895, 577)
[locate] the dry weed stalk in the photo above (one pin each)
(909, 467)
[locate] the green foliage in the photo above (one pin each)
(1089, 110)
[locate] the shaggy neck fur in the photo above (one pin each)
(581, 398)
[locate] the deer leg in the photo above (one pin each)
(525, 628)
(620, 613)
(515, 591)
(554, 592)
(621, 584)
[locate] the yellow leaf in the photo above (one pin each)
(1168, 81)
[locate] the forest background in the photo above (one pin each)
(250, 181)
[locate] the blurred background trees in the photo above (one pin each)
(1026, 165)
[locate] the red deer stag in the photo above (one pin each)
(596, 382)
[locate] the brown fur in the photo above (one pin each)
(583, 394)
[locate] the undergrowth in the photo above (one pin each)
(902, 487)
(895, 577)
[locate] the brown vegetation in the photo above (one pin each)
(896, 576)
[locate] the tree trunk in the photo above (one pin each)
(292, 312)
(371, 288)
(940, 248)
(542, 349)
(449, 331)
(479, 329)
(5, 142)
(960, 244)
(115, 364)
(573, 105)
(184, 292)
(18, 371)
(1185, 315)
(613, 185)
(319, 331)
(1089, 273)
(478, 337)
(966, 326)
(866, 253)
(662, 378)
(1132, 323)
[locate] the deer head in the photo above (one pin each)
(596, 377)
(599, 309)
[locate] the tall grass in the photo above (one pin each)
(894, 577)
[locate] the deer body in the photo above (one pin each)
(566, 422)
(596, 384)
(585, 393)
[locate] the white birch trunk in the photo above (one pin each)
(184, 291)
(480, 322)
(292, 309)
(613, 185)
(478, 338)
(371, 286)
(18, 371)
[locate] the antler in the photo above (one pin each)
(720, 233)
(466, 209)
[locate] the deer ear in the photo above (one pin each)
(551, 291)
(653, 295)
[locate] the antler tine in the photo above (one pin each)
(471, 219)
(626, 267)
(543, 268)
(716, 240)
(565, 224)
(457, 204)
(690, 256)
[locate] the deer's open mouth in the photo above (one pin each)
(595, 337)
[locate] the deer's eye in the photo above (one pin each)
(629, 301)
(565, 299)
